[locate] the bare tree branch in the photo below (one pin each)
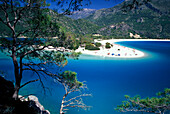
(29, 82)
(6, 16)
(39, 77)
(74, 98)
(42, 70)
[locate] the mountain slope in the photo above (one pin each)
(78, 26)
(149, 20)
(82, 14)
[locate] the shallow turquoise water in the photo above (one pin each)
(108, 79)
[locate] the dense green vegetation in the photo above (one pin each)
(79, 26)
(70, 79)
(91, 47)
(97, 44)
(149, 20)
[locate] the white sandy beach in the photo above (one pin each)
(116, 50)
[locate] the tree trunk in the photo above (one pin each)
(17, 77)
(11, 24)
(15, 95)
(16, 68)
(62, 105)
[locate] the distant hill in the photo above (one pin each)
(151, 20)
(79, 26)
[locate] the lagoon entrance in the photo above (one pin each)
(108, 79)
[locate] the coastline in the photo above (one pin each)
(119, 40)
(116, 50)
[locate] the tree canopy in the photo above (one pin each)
(158, 105)
(72, 85)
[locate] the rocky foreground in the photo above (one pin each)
(8, 105)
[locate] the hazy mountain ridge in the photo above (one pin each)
(82, 14)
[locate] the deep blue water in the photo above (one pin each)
(108, 79)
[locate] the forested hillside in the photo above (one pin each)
(150, 20)
(67, 24)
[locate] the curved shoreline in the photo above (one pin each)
(117, 51)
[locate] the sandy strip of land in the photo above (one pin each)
(119, 40)
(116, 50)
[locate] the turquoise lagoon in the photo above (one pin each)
(108, 79)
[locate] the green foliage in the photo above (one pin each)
(85, 39)
(98, 44)
(108, 45)
(79, 26)
(126, 96)
(91, 47)
(68, 40)
(70, 79)
(159, 104)
(74, 55)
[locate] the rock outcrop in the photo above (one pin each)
(33, 100)
(8, 105)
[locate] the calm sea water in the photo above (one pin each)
(108, 79)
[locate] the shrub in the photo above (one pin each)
(107, 45)
(98, 44)
(91, 47)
